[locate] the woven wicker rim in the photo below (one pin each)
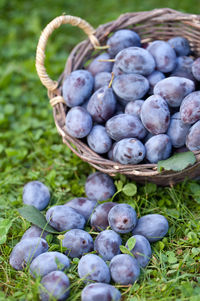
(148, 24)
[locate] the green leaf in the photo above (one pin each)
(130, 189)
(150, 188)
(195, 189)
(177, 162)
(119, 185)
(34, 216)
(124, 250)
(131, 243)
(5, 225)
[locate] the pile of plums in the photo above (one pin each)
(100, 255)
(136, 103)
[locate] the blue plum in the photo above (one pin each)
(135, 60)
(184, 67)
(100, 292)
(141, 250)
(77, 87)
(102, 79)
(83, 206)
(77, 242)
(107, 244)
(34, 231)
(164, 56)
(193, 137)
(26, 250)
(64, 218)
(129, 87)
(129, 151)
(122, 218)
(196, 69)
(124, 269)
(154, 78)
(102, 104)
(152, 226)
(158, 148)
(99, 187)
(125, 126)
(48, 262)
(180, 45)
(121, 39)
(78, 122)
(134, 107)
(190, 108)
(99, 218)
(174, 89)
(98, 139)
(155, 114)
(54, 286)
(97, 66)
(177, 130)
(110, 153)
(93, 268)
(36, 194)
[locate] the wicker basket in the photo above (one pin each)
(157, 24)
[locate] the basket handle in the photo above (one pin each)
(40, 52)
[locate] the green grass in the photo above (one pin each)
(30, 149)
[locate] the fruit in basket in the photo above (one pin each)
(155, 114)
(83, 206)
(180, 45)
(158, 148)
(36, 194)
(177, 130)
(152, 226)
(100, 64)
(122, 218)
(78, 122)
(55, 285)
(129, 151)
(196, 69)
(100, 291)
(78, 242)
(184, 67)
(190, 108)
(174, 89)
(193, 137)
(122, 39)
(93, 268)
(124, 269)
(135, 60)
(107, 244)
(134, 107)
(99, 218)
(102, 79)
(164, 56)
(99, 187)
(154, 78)
(129, 87)
(77, 87)
(98, 139)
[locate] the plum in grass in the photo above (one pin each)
(93, 268)
(158, 148)
(155, 114)
(100, 291)
(77, 242)
(124, 269)
(135, 60)
(97, 66)
(129, 87)
(107, 244)
(129, 151)
(125, 126)
(134, 107)
(48, 262)
(141, 250)
(190, 108)
(34, 231)
(193, 137)
(177, 130)
(77, 87)
(83, 206)
(102, 79)
(196, 69)
(55, 286)
(99, 187)
(64, 218)
(174, 89)
(26, 250)
(98, 139)
(180, 45)
(78, 122)
(164, 56)
(121, 39)
(152, 226)
(122, 218)
(99, 218)
(36, 194)
(102, 104)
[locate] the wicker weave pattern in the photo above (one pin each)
(159, 24)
